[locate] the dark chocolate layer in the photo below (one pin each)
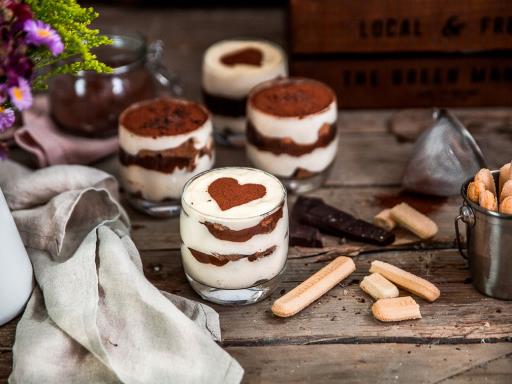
(286, 145)
(266, 225)
(220, 260)
(224, 106)
(167, 161)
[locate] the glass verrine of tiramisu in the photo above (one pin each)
(234, 232)
(291, 131)
(162, 144)
(231, 68)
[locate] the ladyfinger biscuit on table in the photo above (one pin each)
(314, 287)
(488, 201)
(396, 309)
(485, 176)
(506, 191)
(475, 188)
(505, 174)
(506, 206)
(414, 221)
(378, 287)
(406, 280)
(383, 219)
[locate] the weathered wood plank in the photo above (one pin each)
(343, 315)
(494, 371)
(382, 363)
(461, 315)
(5, 365)
(378, 363)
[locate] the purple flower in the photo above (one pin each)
(20, 95)
(6, 118)
(39, 33)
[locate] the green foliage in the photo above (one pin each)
(72, 22)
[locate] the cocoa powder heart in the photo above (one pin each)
(228, 193)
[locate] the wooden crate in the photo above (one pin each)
(405, 53)
(327, 26)
(414, 82)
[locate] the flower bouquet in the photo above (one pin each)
(38, 39)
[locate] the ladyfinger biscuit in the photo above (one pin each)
(485, 176)
(414, 221)
(314, 287)
(378, 287)
(488, 201)
(506, 191)
(475, 188)
(505, 174)
(506, 206)
(396, 309)
(383, 219)
(406, 280)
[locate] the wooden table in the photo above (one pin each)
(462, 337)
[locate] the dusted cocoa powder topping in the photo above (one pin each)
(228, 193)
(248, 56)
(292, 98)
(163, 117)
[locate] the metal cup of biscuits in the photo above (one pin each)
(487, 216)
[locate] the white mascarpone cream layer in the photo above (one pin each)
(196, 235)
(132, 143)
(302, 130)
(284, 165)
(236, 274)
(236, 81)
(157, 186)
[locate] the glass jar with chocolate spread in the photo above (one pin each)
(89, 103)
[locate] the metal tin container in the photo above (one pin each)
(489, 246)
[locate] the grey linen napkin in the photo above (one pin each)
(94, 318)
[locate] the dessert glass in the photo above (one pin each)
(291, 131)
(236, 257)
(162, 144)
(231, 68)
(89, 103)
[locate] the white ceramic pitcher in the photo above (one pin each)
(16, 278)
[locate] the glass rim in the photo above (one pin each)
(118, 34)
(184, 204)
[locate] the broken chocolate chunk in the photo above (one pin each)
(314, 212)
(303, 235)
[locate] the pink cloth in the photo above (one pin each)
(40, 137)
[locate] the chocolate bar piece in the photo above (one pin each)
(314, 212)
(303, 235)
